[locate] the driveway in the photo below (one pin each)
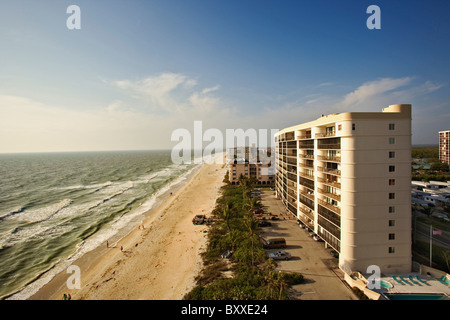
(309, 257)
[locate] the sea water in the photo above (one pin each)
(55, 207)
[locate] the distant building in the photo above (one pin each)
(251, 162)
(347, 177)
(444, 146)
(436, 193)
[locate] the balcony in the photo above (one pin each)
(304, 136)
(308, 174)
(326, 134)
(307, 164)
(330, 158)
(329, 182)
(333, 143)
(307, 212)
(331, 195)
(329, 170)
(329, 206)
(306, 156)
(307, 144)
(307, 194)
(292, 177)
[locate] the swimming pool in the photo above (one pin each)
(415, 296)
(385, 284)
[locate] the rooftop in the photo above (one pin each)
(413, 283)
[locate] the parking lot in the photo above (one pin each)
(308, 257)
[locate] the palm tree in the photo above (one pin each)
(428, 210)
(252, 225)
(228, 214)
(271, 277)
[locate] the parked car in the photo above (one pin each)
(280, 255)
(199, 219)
(264, 224)
(275, 217)
(274, 243)
(316, 237)
(258, 211)
(226, 254)
(334, 253)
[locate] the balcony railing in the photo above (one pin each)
(329, 170)
(326, 134)
(329, 182)
(306, 164)
(308, 195)
(333, 208)
(329, 146)
(306, 156)
(329, 158)
(306, 211)
(334, 196)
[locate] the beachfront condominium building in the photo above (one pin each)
(347, 177)
(444, 146)
(251, 162)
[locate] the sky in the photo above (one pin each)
(138, 70)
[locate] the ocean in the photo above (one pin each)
(55, 207)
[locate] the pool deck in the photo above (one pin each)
(431, 285)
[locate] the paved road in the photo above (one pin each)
(309, 257)
(423, 231)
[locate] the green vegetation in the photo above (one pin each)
(253, 275)
(425, 152)
(437, 171)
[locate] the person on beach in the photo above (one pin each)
(107, 244)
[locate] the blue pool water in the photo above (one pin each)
(410, 296)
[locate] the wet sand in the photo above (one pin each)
(157, 262)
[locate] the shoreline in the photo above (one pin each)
(166, 251)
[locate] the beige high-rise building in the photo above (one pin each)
(347, 177)
(444, 146)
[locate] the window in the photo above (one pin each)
(391, 236)
(391, 210)
(391, 126)
(339, 127)
(391, 140)
(391, 168)
(391, 249)
(391, 154)
(391, 223)
(392, 182)
(353, 126)
(391, 195)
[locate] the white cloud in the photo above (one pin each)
(29, 126)
(157, 90)
(207, 90)
(372, 92)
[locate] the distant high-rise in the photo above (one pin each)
(444, 146)
(347, 177)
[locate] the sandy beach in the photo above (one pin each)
(157, 262)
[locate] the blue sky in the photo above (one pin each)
(137, 70)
